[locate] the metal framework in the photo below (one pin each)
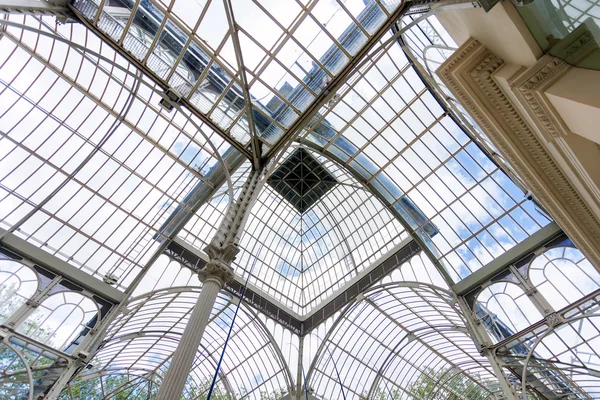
(126, 139)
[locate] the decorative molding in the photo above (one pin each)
(217, 269)
(576, 46)
(544, 74)
(580, 48)
(521, 138)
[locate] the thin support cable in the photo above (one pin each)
(334, 367)
(237, 308)
(388, 389)
(336, 372)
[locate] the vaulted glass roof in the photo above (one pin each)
(304, 257)
(251, 67)
(365, 154)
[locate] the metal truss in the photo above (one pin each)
(56, 265)
(301, 326)
(334, 85)
(38, 7)
(520, 251)
(467, 339)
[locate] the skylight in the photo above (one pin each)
(301, 180)
(306, 255)
(362, 158)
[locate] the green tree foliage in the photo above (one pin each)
(9, 301)
(433, 385)
(13, 373)
(130, 387)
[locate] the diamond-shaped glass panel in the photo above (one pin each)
(301, 180)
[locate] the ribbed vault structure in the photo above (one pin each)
(302, 258)
(129, 129)
(419, 336)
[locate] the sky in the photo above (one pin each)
(103, 219)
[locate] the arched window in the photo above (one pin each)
(16, 382)
(563, 275)
(17, 284)
(60, 319)
(505, 309)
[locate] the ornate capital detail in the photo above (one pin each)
(471, 76)
(216, 269)
(226, 254)
(219, 265)
(576, 46)
(223, 248)
(530, 88)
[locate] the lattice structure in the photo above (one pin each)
(127, 136)
(301, 180)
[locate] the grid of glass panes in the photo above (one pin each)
(144, 337)
(201, 227)
(289, 50)
(391, 343)
(91, 168)
(303, 258)
(389, 128)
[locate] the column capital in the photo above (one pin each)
(218, 270)
(225, 253)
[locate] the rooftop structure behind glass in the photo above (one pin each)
(299, 155)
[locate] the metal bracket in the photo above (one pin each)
(554, 319)
(171, 98)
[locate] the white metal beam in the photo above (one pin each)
(233, 29)
(34, 7)
(528, 245)
(60, 267)
(336, 83)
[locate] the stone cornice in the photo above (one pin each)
(470, 75)
(530, 86)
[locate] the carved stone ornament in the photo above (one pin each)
(216, 269)
(530, 87)
(576, 46)
(226, 253)
(520, 125)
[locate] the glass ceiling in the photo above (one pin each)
(289, 52)
(388, 323)
(91, 168)
(303, 258)
(95, 172)
(388, 127)
(160, 308)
